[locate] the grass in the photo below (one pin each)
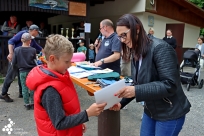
(1, 79)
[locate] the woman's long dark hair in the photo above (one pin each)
(140, 41)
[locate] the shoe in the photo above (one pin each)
(20, 96)
(6, 98)
(32, 106)
(27, 106)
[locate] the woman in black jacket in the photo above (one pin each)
(155, 72)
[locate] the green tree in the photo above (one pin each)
(199, 3)
(202, 31)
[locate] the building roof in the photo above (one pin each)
(181, 10)
(189, 6)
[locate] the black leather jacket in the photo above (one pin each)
(159, 84)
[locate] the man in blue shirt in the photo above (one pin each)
(109, 50)
(12, 72)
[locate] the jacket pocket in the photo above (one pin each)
(168, 101)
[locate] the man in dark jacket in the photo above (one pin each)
(170, 39)
(12, 72)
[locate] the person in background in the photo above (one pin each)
(108, 51)
(56, 104)
(13, 43)
(29, 22)
(11, 27)
(91, 53)
(151, 33)
(43, 30)
(23, 59)
(200, 46)
(155, 81)
(170, 39)
(80, 28)
(81, 47)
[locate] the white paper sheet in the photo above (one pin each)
(87, 27)
(107, 94)
(82, 74)
(74, 69)
(107, 70)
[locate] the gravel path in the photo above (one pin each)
(130, 118)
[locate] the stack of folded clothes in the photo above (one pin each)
(104, 82)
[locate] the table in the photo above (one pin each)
(108, 121)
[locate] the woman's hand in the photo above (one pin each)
(126, 92)
(95, 109)
(116, 107)
(84, 128)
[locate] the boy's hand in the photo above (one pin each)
(116, 107)
(95, 109)
(84, 128)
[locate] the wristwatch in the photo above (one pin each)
(102, 60)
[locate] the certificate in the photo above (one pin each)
(107, 94)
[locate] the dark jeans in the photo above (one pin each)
(151, 127)
(12, 72)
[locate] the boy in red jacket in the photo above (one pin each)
(56, 105)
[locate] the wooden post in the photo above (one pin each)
(87, 36)
(109, 123)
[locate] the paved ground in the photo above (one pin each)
(130, 118)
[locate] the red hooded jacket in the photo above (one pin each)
(38, 80)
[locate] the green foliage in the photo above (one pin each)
(202, 31)
(199, 3)
(1, 79)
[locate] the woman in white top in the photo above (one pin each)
(200, 46)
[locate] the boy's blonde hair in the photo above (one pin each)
(57, 45)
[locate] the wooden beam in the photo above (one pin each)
(191, 7)
(184, 10)
(180, 10)
(94, 2)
